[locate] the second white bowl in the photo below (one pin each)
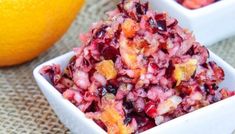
(209, 24)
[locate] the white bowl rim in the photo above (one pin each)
(203, 11)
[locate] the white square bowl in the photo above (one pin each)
(209, 24)
(218, 118)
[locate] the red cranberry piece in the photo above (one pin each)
(93, 107)
(152, 26)
(102, 91)
(127, 120)
(160, 16)
(128, 104)
(154, 65)
(101, 124)
(146, 7)
(163, 47)
(111, 89)
(138, 8)
(218, 71)
(214, 86)
(110, 52)
(140, 118)
(173, 23)
(205, 65)
(149, 125)
(100, 32)
(121, 8)
(85, 62)
(151, 109)
(161, 25)
(170, 69)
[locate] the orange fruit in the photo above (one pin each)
(29, 27)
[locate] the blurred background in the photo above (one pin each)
(24, 109)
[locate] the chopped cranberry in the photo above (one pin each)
(128, 104)
(149, 125)
(117, 35)
(100, 32)
(110, 52)
(91, 72)
(150, 109)
(154, 65)
(153, 28)
(127, 119)
(85, 62)
(101, 124)
(176, 38)
(173, 24)
(170, 69)
(205, 65)
(161, 25)
(121, 8)
(160, 16)
(146, 7)
(214, 86)
(163, 47)
(102, 91)
(209, 89)
(93, 107)
(190, 51)
(111, 89)
(141, 119)
(218, 71)
(139, 10)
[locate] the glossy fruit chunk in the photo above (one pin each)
(168, 105)
(151, 109)
(184, 71)
(128, 53)
(107, 69)
(114, 121)
(130, 27)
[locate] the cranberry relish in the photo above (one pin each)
(195, 4)
(138, 69)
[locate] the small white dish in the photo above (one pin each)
(209, 24)
(218, 118)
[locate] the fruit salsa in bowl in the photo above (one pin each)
(195, 4)
(134, 71)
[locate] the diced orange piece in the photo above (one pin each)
(107, 69)
(169, 104)
(114, 121)
(128, 53)
(130, 59)
(130, 27)
(184, 71)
